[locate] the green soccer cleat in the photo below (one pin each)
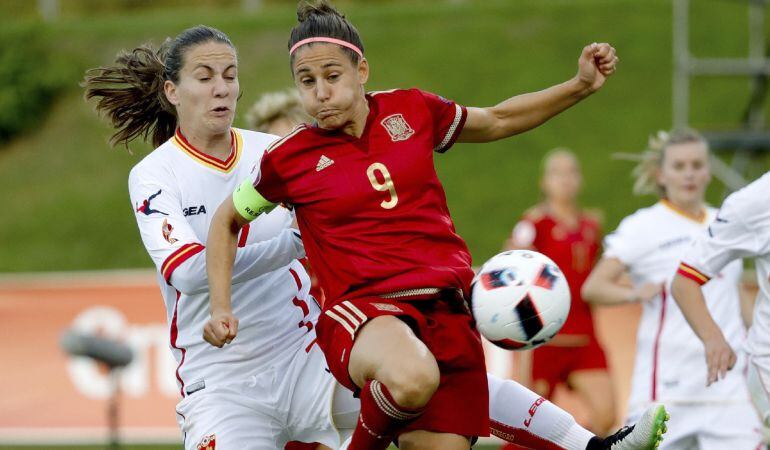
(646, 434)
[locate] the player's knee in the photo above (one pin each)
(424, 440)
(413, 385)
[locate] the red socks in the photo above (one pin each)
(380, 418)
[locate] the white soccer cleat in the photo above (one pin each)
(646, 434)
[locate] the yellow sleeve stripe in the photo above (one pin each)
(693, 274)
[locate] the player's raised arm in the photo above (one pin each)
(245, 205)
(524, 112)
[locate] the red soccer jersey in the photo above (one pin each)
(372, 212)
(573, 249)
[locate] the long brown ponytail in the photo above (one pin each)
(131, 92)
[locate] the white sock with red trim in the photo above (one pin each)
(520, 416)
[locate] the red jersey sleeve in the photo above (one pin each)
(268, 181)
(448, 120)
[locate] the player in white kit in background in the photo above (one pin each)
(647, 245)
(741, 230)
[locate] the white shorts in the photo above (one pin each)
(287, 402)
(759, 385)
(727, 426)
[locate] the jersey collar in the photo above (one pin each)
(207, 160)
(701, 218)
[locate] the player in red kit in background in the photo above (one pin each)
(374, 218)
(570, 236)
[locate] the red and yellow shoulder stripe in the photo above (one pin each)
(175, 259)
(210, 161)
(692, 273)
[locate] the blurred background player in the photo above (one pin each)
(277, 113)
(559, 228)
(648, 245)
(740, 230)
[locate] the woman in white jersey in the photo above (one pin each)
(647, 246)
(269, 386)
(741, 230)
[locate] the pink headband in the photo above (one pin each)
(329, 40)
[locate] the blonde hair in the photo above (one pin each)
(558, 152)
(651, 159)
(274, 106)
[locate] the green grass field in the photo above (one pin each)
(64, 196)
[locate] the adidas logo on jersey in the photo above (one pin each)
(323, 163)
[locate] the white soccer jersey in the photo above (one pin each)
(670, 364)
(741, 230)
(175, 191)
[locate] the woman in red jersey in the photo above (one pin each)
(376, 226)
(570, 236)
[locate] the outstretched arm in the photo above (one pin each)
(524, 112)
(245, 205)
(605, 286)
(222, 244)
(720, 357)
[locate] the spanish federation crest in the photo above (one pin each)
(397, 127)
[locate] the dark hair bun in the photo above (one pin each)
(320, 8)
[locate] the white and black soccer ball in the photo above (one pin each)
(520, 299)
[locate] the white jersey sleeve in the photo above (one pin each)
(179, 254)
(735, 233)
(626, 243)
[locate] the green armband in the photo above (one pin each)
(249, 203)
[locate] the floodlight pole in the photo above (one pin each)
(681, 82)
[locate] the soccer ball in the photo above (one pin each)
(520, 299)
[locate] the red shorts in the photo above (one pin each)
(461, 403)
(294, 445)
(553, 364)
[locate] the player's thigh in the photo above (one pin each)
(743, 442)
(595, 387)
(426, 440)
(222, 421)
(688, 442)
(345, 408)
(386, 349)
(759, 386)
(309, 389)
(733, 426)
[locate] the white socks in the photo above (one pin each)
(520, 416)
